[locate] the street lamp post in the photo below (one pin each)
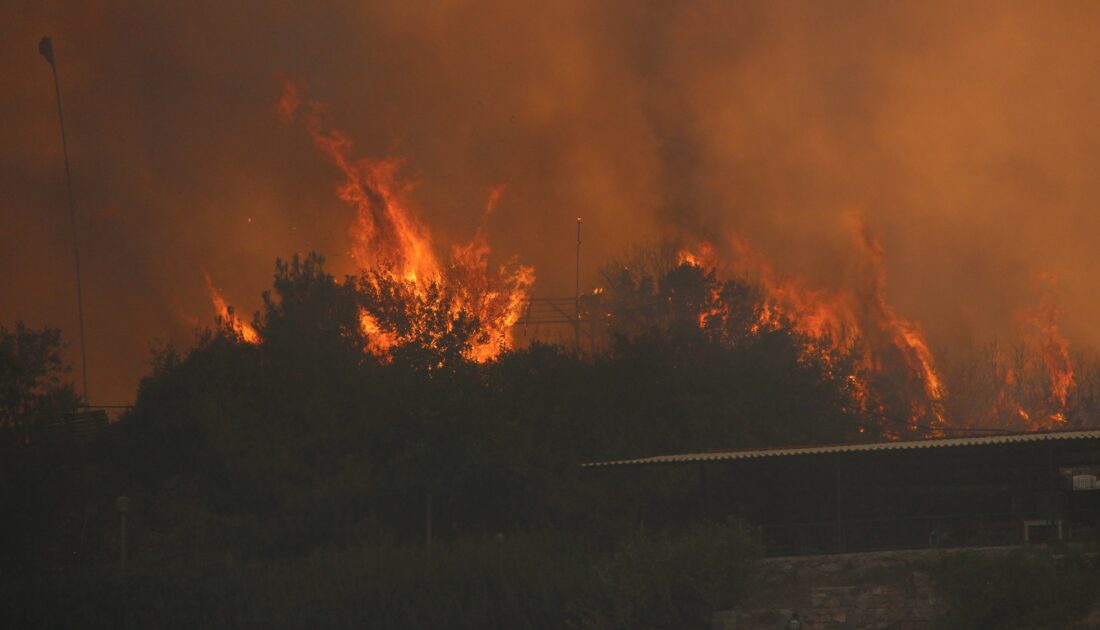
(45, 46)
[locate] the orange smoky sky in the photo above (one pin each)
(964, 135)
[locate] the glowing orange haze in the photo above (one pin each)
(389, 243)
(857, 322)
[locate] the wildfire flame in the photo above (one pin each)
(704, 257)
(389, 244)
(243, 330)
(1031, 386)
(1044, 339)
(857, 323)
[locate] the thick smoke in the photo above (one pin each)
(963, 136)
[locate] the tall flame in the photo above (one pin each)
(389, 244)
(386, 235)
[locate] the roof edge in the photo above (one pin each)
(796, 451)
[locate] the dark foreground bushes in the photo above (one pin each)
(668, 581)
(1025, 588)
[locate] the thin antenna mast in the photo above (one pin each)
(577, 291)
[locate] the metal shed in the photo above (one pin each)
(978, 490)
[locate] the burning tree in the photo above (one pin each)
(886, 359)
(397, 260)
(424, 324)
(409, 296)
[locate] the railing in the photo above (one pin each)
(73, 427)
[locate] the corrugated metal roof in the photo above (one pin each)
(852, 448)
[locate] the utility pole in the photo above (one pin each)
(45, 46)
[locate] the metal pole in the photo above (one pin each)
(122, 540)
(122, 506)
(45, 46)
(428, 522)
(577, 291)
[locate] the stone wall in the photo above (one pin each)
(887, 590)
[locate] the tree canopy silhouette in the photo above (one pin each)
(311, 437)
(32, 377)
